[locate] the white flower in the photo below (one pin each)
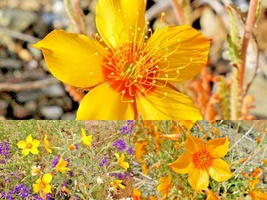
(99, 181)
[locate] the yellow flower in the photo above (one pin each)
(165, 185)
(137, 194)
(72, 147)
(61, 166)
(129, 76)
(124, 165)
(42, 185)
(47, 145)
(86, 140)
(35, 170)
(29, 145)
(117, 183)
(201, 160)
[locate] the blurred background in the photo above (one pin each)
(29, 91)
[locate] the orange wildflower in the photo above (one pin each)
(137, 194)
(211, 195)
(133, 72)
(164, 185)
(203, 160)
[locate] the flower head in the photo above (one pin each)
(120, 144)
(133, 72)
(201, 160)
(137, 194)
(47, 145)
(117, 184)
(29, 145)
(42, 185)
(35, 170)
(86, 140)
(61, 166)
(124, 165)
(164, 185)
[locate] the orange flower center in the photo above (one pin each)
(131, 71)
(202, 159)
(29, 145)
(42, 185)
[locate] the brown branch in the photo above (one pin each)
(178, 11)
(16, 87)
(247, 34)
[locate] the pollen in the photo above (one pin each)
(202, 159)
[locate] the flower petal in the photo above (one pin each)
(103, 103)
(36, 188)
(21, 144)
(192, 143)
(34, 150)
(72, 58)
(218, 147)
(121, 21)
(220, 171)
(198, 179)
(180, 52)
(47, 189)
(25, 152)
(35, 143)
(47, 178)
(29, 138)
(166, 103)
(182, 164)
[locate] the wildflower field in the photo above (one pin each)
(66, 159)
(201, 160)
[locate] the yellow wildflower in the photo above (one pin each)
(42, 185)
(47, 145)
(35, 170)
(134, 74)
(164, 185)
(137, 194)
(124, 165)
(201, 160)
(61, 166)
(29, 145)
(117, 184)
(86, 140)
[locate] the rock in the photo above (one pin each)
(69, 116)
(17, 19)
(25, 96)
(20, 111)
(54, 91)
(3, 108)
(51, 112)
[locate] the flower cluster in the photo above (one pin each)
(127, 128)
(4, 151)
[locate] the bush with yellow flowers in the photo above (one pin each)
(66, 159)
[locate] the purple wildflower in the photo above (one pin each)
(4, 151)
(103, 162)
(55, 161)
(76, 146)
(127, 128)
(120, 144)
(120, 176)
(130, 150)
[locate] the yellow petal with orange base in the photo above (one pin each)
(166, 103)
(121, 21)
(74, 59)
(218, 147)
(198, 179)
(220, 171)
(181, 52)
(103, 103)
